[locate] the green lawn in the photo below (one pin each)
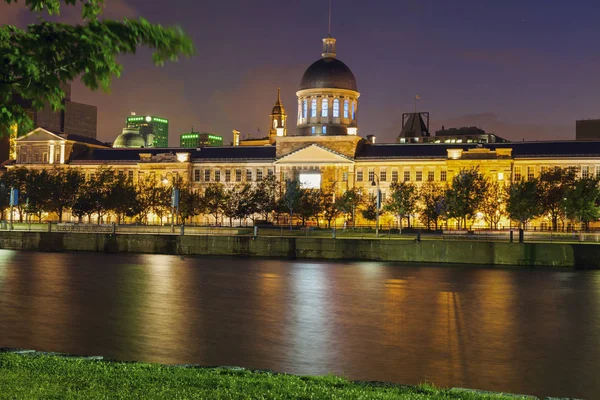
(52, 377)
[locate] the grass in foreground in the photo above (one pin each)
(44, 376)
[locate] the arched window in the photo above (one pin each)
(345, 108)
(324, 130)
(353, 110)
(313, 108)
(336, 108)
(313, 130)
(274, 123)
(324, 107)
(304, 108)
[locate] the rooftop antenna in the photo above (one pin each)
(329, 42)
(329, 28)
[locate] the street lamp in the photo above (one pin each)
(174, 198)
(14, 201)
(377, 204)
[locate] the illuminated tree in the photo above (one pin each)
(465, 196)
(264, 197)
(66, 183)
(369, 208)
(349, 201)
(240, 202)
(582, 201)
(215, 199)
(123, 198)
(290, 201)
(38, 186)
(524, 201)
(309, 205)
(330, 207)
(402, 201)
(190, 204)
(36, 60)
(493, 204)
(83, 206)
(433, 203)
(153, 196)
(555, 183)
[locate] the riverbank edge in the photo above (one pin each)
(563, 255)
(458, 391)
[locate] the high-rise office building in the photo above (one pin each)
(154, 130)
(200, 139)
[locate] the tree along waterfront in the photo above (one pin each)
(112, 196)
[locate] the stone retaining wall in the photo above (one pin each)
(427, 251)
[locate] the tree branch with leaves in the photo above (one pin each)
(35, 61)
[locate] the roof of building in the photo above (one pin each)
(82, 139)
(205, 153)
(328, 73)
(236, 153)
(365, 152)
(519, 149)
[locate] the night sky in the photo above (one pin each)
(520, 69)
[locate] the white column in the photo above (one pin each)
(51, 155)
(62, 153)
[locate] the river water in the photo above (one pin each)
(525, 331)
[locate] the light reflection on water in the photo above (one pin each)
(524, 331)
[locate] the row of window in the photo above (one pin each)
(29, 155)
(383, 175)
(529, 172)
(228, 175)
(325, 108)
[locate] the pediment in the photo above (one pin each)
(314, 154)
(40, 135)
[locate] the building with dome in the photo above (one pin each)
(130, 139)
(325, 151)
(327, 97)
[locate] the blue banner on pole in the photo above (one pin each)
(14, 197)
(175, 198)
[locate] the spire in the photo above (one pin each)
(278, 96)
(328, 42)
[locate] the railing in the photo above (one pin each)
(359, 232)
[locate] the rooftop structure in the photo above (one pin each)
(200, 139)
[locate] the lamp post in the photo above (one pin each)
(174, 198)
(14, 201)
(375, 182)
